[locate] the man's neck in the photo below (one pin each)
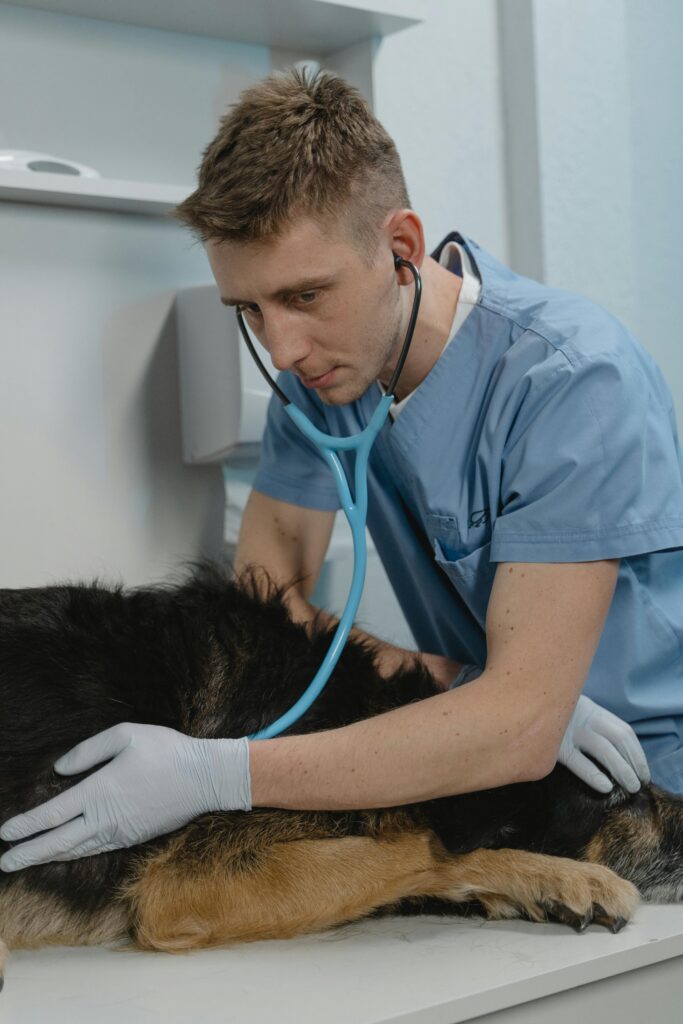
(440, 294)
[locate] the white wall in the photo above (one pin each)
(594, 153)
(91, 479)
(438, 93)
(654, 54)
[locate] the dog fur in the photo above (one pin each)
(210, 657)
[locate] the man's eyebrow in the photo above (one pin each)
(306, 285)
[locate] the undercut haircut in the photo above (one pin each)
(297, 144)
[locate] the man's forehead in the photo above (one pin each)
(303, 238)
(275, 267)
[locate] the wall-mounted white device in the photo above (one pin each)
(223, 396)
(25, 160)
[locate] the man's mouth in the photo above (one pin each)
(322, 381)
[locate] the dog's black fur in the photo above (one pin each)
(76, 659)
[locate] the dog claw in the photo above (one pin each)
(583, 922)
(601, 917)
(597, 915)
(561, 912)
(615, 924)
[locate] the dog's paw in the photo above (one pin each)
(559, 889)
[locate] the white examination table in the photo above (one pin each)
(425, 970)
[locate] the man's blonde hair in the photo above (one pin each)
(296, 144)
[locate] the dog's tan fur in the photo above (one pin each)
(310, 885)
(281, 889)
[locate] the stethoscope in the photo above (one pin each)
(355, 512)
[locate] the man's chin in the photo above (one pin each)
(341, 394)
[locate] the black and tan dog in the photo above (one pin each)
(211, 658)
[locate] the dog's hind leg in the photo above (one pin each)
(307, 885)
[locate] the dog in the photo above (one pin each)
(214, 656)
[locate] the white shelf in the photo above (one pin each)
(315, 26)
(91, 193)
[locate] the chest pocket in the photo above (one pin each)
(464, 557)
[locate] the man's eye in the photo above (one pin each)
(251, 308)
(307, 297)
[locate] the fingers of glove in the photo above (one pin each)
(57, 811)
(626, 740)
(623, 737)
(54, 845)
(91, 846)
(586, 770)
(638, 759)
(100, 747)
(611, 758)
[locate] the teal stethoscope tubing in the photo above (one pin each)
(355, 512)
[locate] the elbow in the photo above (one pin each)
(540, 743)
(539, 762)
(539, 770)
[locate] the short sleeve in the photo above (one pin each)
(591, 467)
(290, 466)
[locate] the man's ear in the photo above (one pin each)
(406, 236)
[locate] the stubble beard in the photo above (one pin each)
(385, 359)
(350, 391)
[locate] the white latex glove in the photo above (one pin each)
(158, 780)
(611, 741)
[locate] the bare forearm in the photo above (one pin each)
(471, 738)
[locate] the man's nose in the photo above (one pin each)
(284, 340)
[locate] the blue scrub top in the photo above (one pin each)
(544, 433)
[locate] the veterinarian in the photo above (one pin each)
(526, 499)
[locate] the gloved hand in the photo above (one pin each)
(158, 780)
(611, 741)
